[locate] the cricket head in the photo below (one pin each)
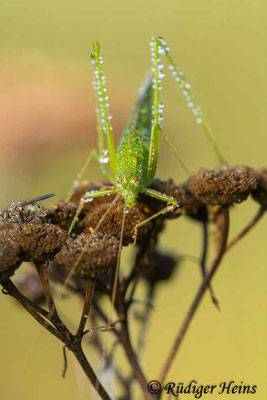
(129, 189)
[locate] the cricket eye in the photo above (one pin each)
(135, 180)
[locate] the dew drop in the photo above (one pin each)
(103, 157)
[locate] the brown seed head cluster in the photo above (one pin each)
(28, 242)
(39, 234)
(223, 186)
(89, 255)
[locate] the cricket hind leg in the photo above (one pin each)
(157, 111)
(191, 100)
(159, 196)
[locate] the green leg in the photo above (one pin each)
(163, 211)
(88, 196)
(79, 176)
(190, 97)
(159, 196)
(100, 159)
(103, 114)
(156, 112)
(171, 146)
(156, 131)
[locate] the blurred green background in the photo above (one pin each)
(48, 128)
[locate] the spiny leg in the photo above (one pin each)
(102, 159)
(79, 176)
(159, 196)
(103, 115)
(103, 122)
(157, 111)
(89, 196)
(190, 97)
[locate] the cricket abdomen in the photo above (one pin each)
(132, 158)
(133, 149)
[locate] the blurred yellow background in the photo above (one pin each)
(48, 128)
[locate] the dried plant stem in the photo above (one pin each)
(123, 336)
(53, 314)
(247, 228)
(200, 293)
(145, 320)
(204, 259)
(86, 308)
(59, 330)
(36, 312)
(77, 350)
(132, 358)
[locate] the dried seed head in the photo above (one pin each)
(36, 242)
(260, 194)
(189, 205)
(222, 186)
(41, 242)
(9, 259)
(89, 255)
(112, 222)
(86, 186)
(61, 214)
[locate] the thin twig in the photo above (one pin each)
(53, 314)
(145, 320)
(132, 358)
(11, 290)
(204, 259)
(77, 350)
(124, 339)
(86, 308)
(200, 293)
(247, 228)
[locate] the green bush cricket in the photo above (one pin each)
(132, 168)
